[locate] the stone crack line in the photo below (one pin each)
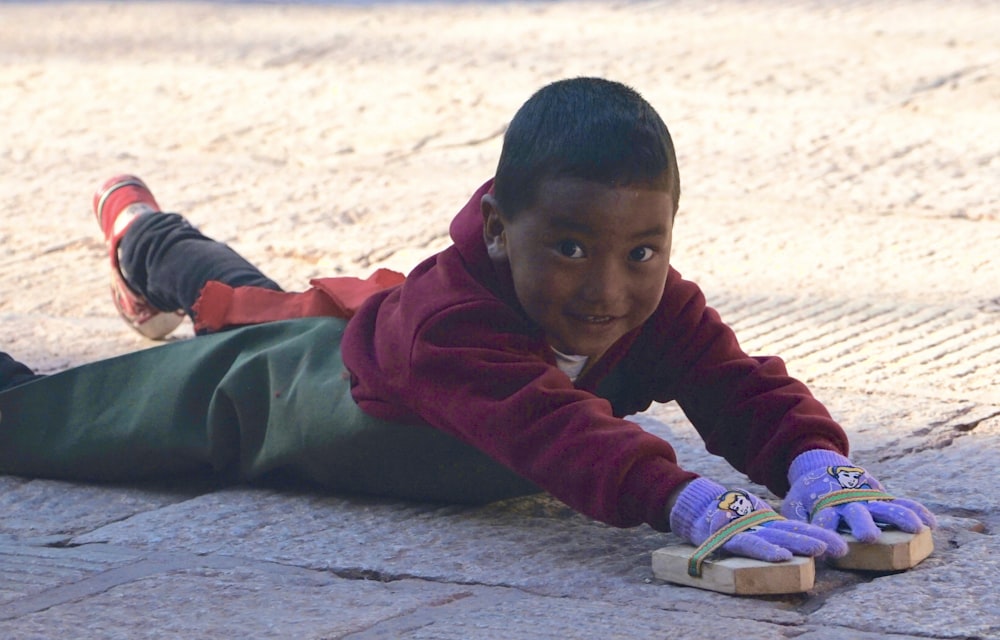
(433, 612)
(946, 440)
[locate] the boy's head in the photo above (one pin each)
(582, 212)
(588, 128)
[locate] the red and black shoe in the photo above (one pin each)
(116, 204)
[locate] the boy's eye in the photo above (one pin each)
(640, 254)
(570, 249)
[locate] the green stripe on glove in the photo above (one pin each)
(705, 509)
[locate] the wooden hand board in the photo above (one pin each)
(734, 575)
(893, 551)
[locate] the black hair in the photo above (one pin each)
(588, 128)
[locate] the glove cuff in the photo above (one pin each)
(692, 503)
(815, 459)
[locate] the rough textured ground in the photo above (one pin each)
(840, 163)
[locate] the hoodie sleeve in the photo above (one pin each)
(747, 409)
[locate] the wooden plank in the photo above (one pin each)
(734, 575)
(893, 551)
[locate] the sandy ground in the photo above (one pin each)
(327, 139)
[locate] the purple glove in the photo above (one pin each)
(816, 475)
(704, 508)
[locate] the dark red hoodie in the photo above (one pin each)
(452, 348)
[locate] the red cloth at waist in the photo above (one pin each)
(220, 306)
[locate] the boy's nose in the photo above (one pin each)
(602, 288)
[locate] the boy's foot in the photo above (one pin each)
(117, 203)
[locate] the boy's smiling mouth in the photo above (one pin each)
(594, 319)
(587, 334)
(590, 326)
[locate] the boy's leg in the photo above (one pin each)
(159, 262)
(270, 398)
(168, 262)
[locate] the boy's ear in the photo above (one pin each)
(493, 228)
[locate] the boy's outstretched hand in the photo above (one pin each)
(828, 489)
(706, 510)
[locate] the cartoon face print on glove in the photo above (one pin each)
(733, 504)
(737, 502)
(849, 477)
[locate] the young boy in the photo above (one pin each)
(554, 314)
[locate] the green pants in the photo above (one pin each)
(243, 404)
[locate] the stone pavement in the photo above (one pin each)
(840, 208)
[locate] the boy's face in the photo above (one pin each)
(589, 262)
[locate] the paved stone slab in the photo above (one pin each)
(31, 570)
(958, 475)
(953, 594)
(236, 602)
(253, 601)
(832, 632)
(535, 543)
(34, 508)
(545, 618)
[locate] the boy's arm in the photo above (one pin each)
(747, 409)
(763, 421)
